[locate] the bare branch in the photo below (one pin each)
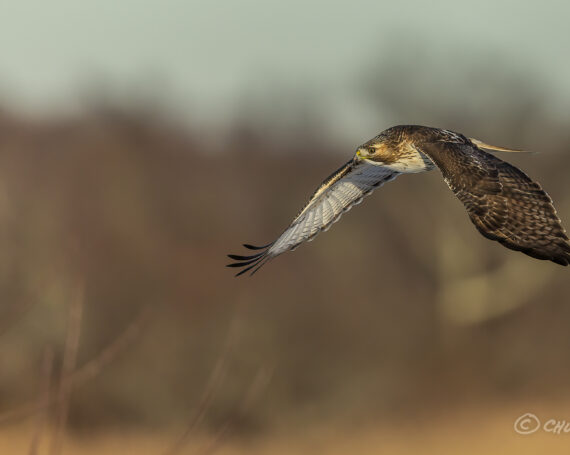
(88, 371)
(14, 315)
(92, 368)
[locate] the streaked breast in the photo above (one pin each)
(410, 161)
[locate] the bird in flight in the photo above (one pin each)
(503, 203)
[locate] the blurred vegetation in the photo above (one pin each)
(401, 309)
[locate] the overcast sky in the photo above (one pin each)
(205, 56)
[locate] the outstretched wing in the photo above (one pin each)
(337, 194)
(503, 203)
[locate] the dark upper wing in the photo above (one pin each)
(337, 194)
(503, 202)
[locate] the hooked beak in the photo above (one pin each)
(360, 155)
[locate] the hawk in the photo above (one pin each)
(503, 203)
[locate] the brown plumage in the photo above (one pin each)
(503, 203)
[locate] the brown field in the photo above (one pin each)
(482, 429)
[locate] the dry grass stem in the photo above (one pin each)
(256, 388)
(71, 349)
(42, 417)
(214, 382)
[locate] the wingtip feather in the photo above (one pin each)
(254, 261)
(254, 247)
(496, 148)
(239, 257)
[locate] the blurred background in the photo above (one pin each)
(142, 141)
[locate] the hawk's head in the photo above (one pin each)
(377, 151)
(395, 150)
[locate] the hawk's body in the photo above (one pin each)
(503, 203)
